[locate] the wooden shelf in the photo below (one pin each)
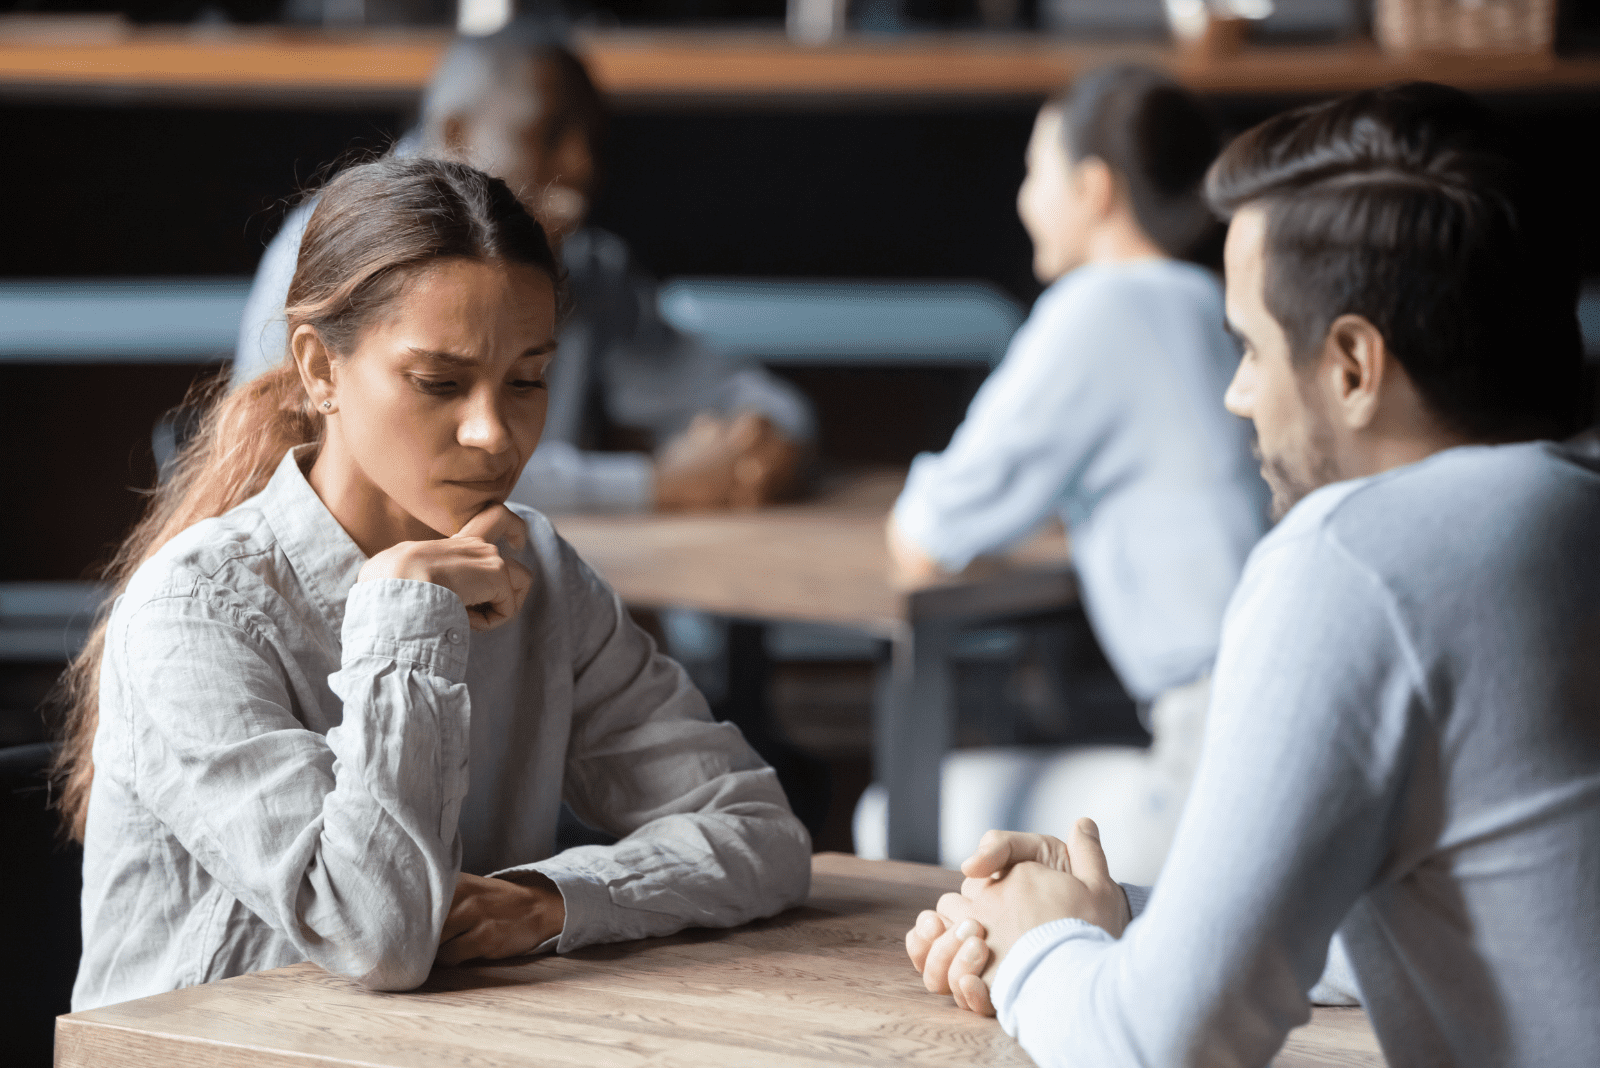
(727, 68)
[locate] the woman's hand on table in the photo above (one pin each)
(468, 563)
(1015, 882)
(495, 918)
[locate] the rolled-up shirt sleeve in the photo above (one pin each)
(1301, 783)
(707, 835)
(345, 843)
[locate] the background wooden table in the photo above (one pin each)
(825, 561)
(824, 984)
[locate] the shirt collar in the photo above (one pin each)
(323, 556)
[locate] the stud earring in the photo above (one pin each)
(327, 406)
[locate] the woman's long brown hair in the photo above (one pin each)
(374, 226)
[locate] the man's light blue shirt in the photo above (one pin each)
(1404, 744)
(1107, 410)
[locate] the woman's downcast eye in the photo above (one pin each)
(435, 386)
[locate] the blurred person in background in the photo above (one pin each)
(344, 690)
(1404, 744)
(523, 108)
(1107, 413)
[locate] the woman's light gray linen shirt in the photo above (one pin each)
(1107, 411)
(292, 766)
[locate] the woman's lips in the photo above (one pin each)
(480, 485)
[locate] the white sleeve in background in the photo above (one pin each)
(658, 378)
(1315, 721)
(562, 478)
(1034, 423)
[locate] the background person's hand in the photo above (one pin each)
(468, 564)
(909, 565)
(494, 918)
(718, 463)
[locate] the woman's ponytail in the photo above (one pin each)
(242, 437)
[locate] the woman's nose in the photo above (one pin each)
(483, 426)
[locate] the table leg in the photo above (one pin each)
(912, 731)
(806, 779)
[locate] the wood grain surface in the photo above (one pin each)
(731, 66)
(824, 561)
(824, 984)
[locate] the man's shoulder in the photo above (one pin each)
(1460, 505)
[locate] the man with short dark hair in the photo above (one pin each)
(520, 106)
(1404, 743)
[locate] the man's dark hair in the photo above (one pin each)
(1158, 139)
(472, 66)
(1402, 205)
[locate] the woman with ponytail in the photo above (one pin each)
(344, 689)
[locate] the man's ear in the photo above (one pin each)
(316, 366)
(1355, 362)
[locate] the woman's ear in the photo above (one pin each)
(316, 366)
(1097, 187)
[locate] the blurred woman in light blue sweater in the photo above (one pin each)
(1107, 412)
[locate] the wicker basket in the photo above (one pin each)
(1465, 25)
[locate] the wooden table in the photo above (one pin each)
(826, 984)
(825, 561)
(107, 58)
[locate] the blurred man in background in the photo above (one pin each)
(522, 107)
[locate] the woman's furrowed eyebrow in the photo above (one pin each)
(451, 358)
(457, 360)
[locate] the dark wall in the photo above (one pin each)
(80, 436)
(108, 191)
(912, 192)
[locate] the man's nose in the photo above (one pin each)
(1240, 396)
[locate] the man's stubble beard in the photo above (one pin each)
(1292, 477)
